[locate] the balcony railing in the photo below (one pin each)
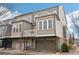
(29, 33)
(5, 35)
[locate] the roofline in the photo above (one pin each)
(21, 15)
(46, 15)
(20, 21)
(46, 9)
(5, 24)
(35, 11)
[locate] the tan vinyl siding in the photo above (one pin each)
(27, 26)
(24, 17)
(59, 28)
(45, 32)
(45, 12)
(62, 15)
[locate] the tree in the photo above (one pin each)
(73, 21)
(75, 25)
(3, 10)
(6, 13)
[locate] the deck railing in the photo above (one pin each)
(29, 33)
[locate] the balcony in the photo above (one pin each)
(29, 33)
(5, 35)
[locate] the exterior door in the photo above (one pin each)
(25, 45)
(7, 43)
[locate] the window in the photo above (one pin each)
(9, 28)
(64, 31)
(45, 24)
(17, 28)
(0, 31)
(49, 24)
(20, 28)
(14, 29)
(40, 25)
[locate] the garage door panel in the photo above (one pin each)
(45, 44)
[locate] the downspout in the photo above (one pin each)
(22, 36)
(57, 46)
(54, 26)
(55, 33)
(35, 28)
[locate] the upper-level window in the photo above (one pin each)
(1, 31)
(49, 24)
(20, 28)
(8, 28)
(14, 29)
(45, 24)
(40, 25)
(17, 28)
(64, 31)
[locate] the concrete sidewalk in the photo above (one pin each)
(30, 52)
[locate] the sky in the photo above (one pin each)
(29, 7)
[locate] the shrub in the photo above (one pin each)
(70, 45)
(64, 47)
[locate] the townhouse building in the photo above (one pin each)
(5, 33)
(40, 30)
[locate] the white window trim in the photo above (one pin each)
(13, 28)
(43, 24)
(20, 27)
(52, 24)
(38, 25)
(47, 24)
